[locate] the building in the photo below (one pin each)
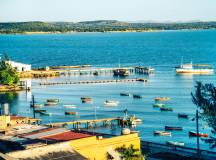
(20, 67)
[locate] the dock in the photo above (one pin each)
(96, 81)
(89, 123)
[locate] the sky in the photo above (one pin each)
(123, 10)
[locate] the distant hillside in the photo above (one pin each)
(98, 26)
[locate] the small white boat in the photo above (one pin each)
(69, 106)
(175, 143)
(111, 103)
(138, 120)
(162, 133)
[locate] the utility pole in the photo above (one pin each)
(197, 129)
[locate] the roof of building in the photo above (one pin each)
(66, 136)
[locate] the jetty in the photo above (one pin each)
(96, 81)
(92, 123)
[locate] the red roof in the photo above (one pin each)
(66, 136)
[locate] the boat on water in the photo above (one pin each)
(37, 105)
(194, 134)
(51, 103)
(86, 99)
(44, 113)
(194, 69)
(124, 94)
(52, 100)
(166, 109)
(121, 72)
(173, 128)
(70, 113)
(162, 98)
(137, 96)
(173, 143)
(182, 115)
(159, 105)
(69, 106)
(39, 110)
(111, 103)
(162, 133)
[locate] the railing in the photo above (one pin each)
(153, 147)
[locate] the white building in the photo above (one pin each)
(20, 67)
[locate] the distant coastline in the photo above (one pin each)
(102, 26)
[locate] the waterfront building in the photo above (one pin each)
(20, 67)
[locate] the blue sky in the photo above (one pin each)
(124, 10)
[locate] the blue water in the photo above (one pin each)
(161, 50)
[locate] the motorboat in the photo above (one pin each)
(159, 105)
(111, 103)
(173, 143)
(195, 134)
(173, 128)
(162, 133)
(162, 98)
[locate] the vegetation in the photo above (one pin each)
(130, 153)
(205, 98)
(98, 26)
(8, 75)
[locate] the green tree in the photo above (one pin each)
(204, 97)
(8, 75)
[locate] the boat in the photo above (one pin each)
(141, 80)
(159, 105)
(162, 98)
(194, 69)
(121, 72)
(162, 133)
(70, 113)
(138, 120)
(124, 94)
(51, 103)
(173, 128)
(173, 143)
(45, 113)
(53, 100)
(182, 115)
(194, 134)
(39, 110)
(69, 106)
(137, 96)
(111, 103)
(37, 105)
(166, 109)
(86, 99)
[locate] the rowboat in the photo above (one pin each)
(40, 110)
(70, 113)
(173, 128)
(69, 106)
(194, 134)
(173, 143)
(182, 115)
(166, 109)
(137, 96)
(53, 100)
(161, 98)
(124, 94)
(86, 99)
(51, 103)
(111, 103)
(162, 133)
(159, 105)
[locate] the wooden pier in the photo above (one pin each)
(96, 81)
(90, 123)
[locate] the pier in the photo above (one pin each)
(96, 81)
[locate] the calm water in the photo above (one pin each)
(161, 50)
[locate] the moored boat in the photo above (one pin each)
(70, 113)
(121, 72)
(124, 94)
(86, 99)
(161, 98)
(173, 128)
(111, 103)
(39, 110)
(162, 133)
(181, 144)
(137, 96)
(51, 103)
(52, 100)
(69, 106)
(166, 109)
(194, 134)
(159, 105)
(182, 115)
(45, 113)
(37, 105)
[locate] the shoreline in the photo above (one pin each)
(117, 31)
